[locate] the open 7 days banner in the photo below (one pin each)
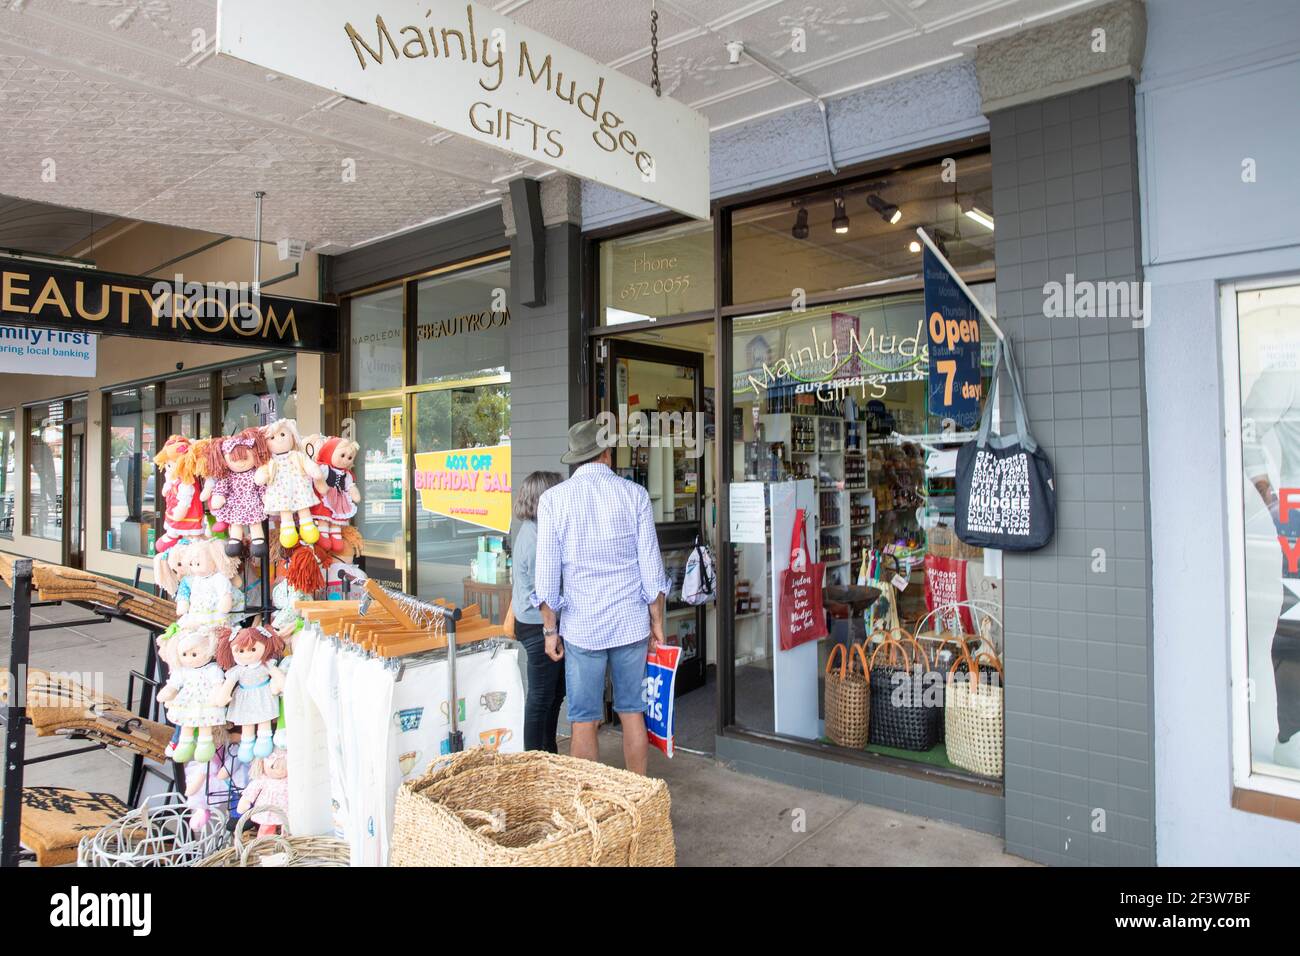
(466, 69)
(468, 484)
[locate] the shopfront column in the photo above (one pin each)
(546, 340)
(1079, 782)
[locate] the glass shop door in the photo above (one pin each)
(659, 383)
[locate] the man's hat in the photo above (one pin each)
(583, 443)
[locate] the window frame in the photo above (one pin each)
(1244, 776)
(16, 413)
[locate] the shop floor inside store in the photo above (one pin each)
(720, 817)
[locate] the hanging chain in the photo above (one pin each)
(654, 50)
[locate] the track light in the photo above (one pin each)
(980, 216)
(800, 228)
(841, 221)
(887, 210)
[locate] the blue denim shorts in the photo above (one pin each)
(584, 680)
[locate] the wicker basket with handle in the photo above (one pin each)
(901, 715)
(973, 715)
(848, 697)
(281, 849)
(485, 808)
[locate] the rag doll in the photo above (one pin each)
(236, 498)
(285, 622)
(188, 692)
(337, 489)
(252, 689)
(169, 573)
(269, 787)
(184, 510)
(287, 478)
(213, 596)
(206, 785)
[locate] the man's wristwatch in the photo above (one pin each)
(550, 632)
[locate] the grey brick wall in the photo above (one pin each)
(544, 395)
(1079, 702)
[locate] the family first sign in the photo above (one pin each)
(466, 69)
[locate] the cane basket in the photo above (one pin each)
(281, 849)
(485, 808)
(848, 697)
(973, 715)
(902, 716)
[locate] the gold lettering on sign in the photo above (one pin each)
(50, 294)
(103, 303)
(9, 287)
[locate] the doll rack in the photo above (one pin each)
(80, 714)
(399, 628)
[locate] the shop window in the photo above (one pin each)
(1264, 459)
(187, 405)
(8, 479)
(132, 478)
(448, 420)
(462, 326)
(655, 275)
(848, 237)
(45, 471)
(381, 476)
(376, 347)
(253, 395)
(829, 415)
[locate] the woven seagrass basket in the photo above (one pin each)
(848, 697)
(281, 849)
(484, 808)
(973, 716)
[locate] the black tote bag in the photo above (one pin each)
(1006, 491)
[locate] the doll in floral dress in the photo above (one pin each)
(189, 689)
(212, 595)
(234, 497)
(252, 687)
(288, 478)
(269, 788)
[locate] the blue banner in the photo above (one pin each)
(953, 332)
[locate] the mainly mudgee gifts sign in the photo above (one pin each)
(466, 69)
(468, 484)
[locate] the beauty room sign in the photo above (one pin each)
(466, 69)
(468, 484)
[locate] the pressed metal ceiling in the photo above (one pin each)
(106, 104)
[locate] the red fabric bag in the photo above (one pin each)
(803, 618)
(945, 583)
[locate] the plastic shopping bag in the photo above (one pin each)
(699, 584)
(657, 692)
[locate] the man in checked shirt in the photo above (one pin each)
(599, 580)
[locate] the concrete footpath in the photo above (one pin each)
(720, 817)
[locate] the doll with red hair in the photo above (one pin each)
(336, 488)
(236, 499)
(252, 688)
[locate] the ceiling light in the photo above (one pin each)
(914, 247)
(735, 48)
(887, 210)
(800, 228)
(980, 216)
(841, 221)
